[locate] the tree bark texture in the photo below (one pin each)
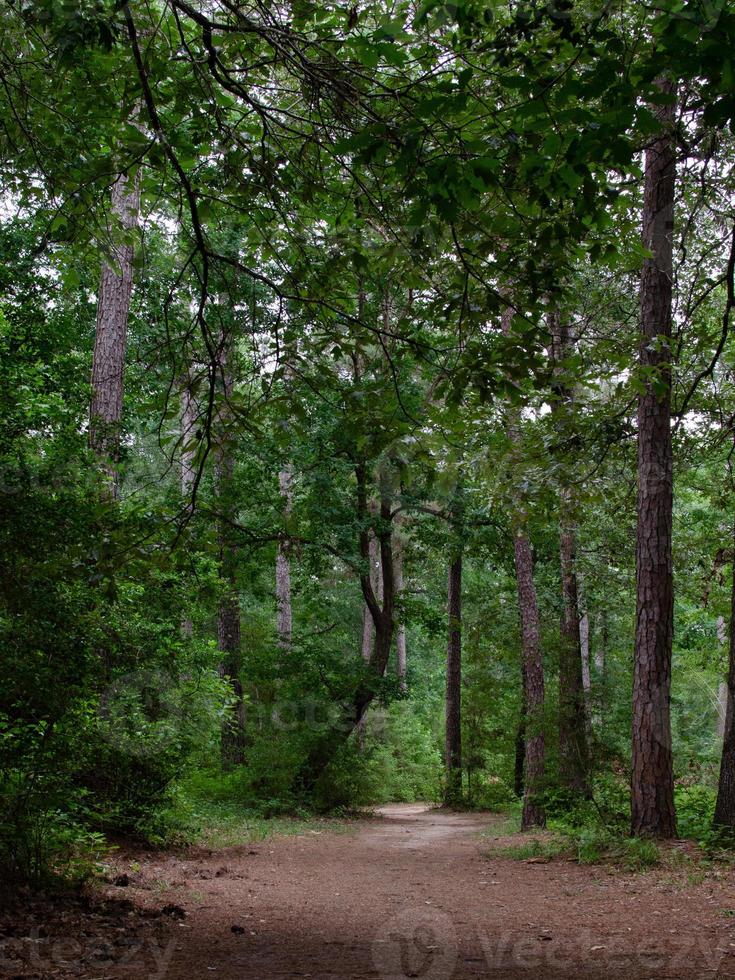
(725, 805)
(652, 783)
(284, 609)
(187, 468)
(573, 748)
(533, 813)
(108, 360)
(453, 718)
(228, 613)
(401, 654)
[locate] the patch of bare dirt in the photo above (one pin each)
(412, 892)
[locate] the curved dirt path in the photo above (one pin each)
(414, 892)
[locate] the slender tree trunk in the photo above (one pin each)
(108, 361)
(520, 741)
(652, 784)
(723, 689)
(600, 668)
(228, 613)
(573, 749)
(401, 662)
(188, 471)
(725, 805)
(284, 613)
(453, 737)
(584, 642)
(533, 814)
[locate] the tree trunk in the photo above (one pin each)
(520, 741)
(600, 667)
(725, 805)
(573, 749)
(228, 613)
(284, 613)
(453, 739)
(652, 784)
(108, 361)
(533, 814)
(722, 691)
(401, 662)
(188, 471)
(584, 642)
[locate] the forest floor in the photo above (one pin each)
(409, 892)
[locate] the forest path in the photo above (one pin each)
(411, 892)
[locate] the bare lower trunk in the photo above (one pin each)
(108, 361)
(598, 712)
(228, 613)
(453, 739)
(652, 783)
(401, 662)
(534, 767)
(520, 742)
(722, 691)
(284, 613)
(533, 814)
(584, 643)
(573, 750)
(725, 805)
(188, 471)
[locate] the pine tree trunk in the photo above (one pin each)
(188, 471)
(520, 741)
(453, 730)
(228, 613)
(652, 784)
(533, 814)
(725, 805)
(598, 713)
(284, 613)
(573, 749)
(401, 662)
(108, 361)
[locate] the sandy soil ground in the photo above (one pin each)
(412, 892)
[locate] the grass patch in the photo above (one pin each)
(219, 824)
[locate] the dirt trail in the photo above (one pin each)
(414, 892)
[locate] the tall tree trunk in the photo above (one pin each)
(108, 361)
(380, 601)
(401, 662)
(228, 613)
(725, 805)
(584, 643)
(188, 471)
(453, 730)
(520, 741)
(533, 813)
(723, 689)
(284, 613)
(573, 749)
(600, 669)
(652, 783)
